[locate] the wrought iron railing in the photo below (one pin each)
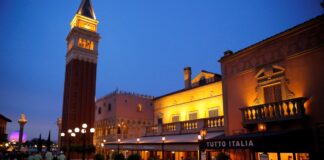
(277, 111)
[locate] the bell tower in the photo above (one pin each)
(80, 73)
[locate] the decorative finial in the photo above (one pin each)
(22, 119)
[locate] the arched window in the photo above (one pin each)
(139, 108)
(109, 107)
(99, 110)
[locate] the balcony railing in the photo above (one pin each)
(192, 126)
(277, 111)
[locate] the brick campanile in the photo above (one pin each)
(80, 74)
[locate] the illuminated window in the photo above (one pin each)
(139, 108)
(193, 115)
(213, 112)
(175, 118)
(85, 43)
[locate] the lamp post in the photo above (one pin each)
(103, 145)
(70, 140)
(118, 141)
(199, 149)
(262, 127)
(83, 131)
(62, 134)
(137, 142)
(163, 139)
(22, 121)
(201, 139)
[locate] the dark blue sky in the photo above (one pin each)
(144, 47)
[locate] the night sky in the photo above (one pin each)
(144, 46)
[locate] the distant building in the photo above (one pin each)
(179, 117)
(122, 115)
(273, 96)
(3, 128)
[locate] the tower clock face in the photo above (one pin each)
(85, 43)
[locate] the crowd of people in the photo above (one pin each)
(14, 155)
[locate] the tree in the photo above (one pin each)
(39, 143)
(48, 142)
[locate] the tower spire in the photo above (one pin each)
(86, 9)
(85, 17)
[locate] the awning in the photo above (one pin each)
(184, 142)
(284, 141)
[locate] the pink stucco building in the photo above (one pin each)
(122, 115)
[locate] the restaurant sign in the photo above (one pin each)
(221, 144)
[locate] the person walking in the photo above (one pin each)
(61, 156)
(31, 156)
(48, 155)
(38, 156)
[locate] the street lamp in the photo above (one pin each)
(62, 135)
(199, 152)
(118, 145)
(203, 133)
(76, 130)
(137, 140)
(102, 146)
(83, 131)
(69, 145)
(262, 127)
(201, 139)
(163, 139)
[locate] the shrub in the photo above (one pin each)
(119, 157)
(134, 157)
(99, 157)
(222, 156)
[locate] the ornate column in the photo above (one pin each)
(22, 121)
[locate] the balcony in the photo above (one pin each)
(273, 112)
(183, 127)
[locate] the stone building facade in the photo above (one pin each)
(273, 96)
(122, 115)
